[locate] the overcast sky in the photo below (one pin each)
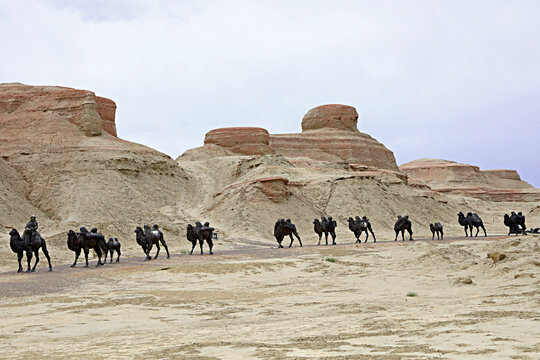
(457, 80)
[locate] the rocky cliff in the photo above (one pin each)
(330, 133)
(468, 180)
(61, 143)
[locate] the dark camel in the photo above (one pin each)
(317, 227)
(148, 237)
(110, 247)
(200, 233)
(85, 241)
(20, 245)
(472, 219)
(403, 223)
(515, 223)
(438, 229)
(362, 225)
(326, 226)
(284, 228)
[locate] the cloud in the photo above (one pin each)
(456, 80)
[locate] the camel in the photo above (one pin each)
(472, 219)
(436, 228)
(20, 245)
(329, 227)
(148, 237)
(354, 228)
(85, 241)
(326, 226)
(284, 228)
(317, 227)
(200, 233)
(403, 223)
(515, 223)
(362, 225)
(110, 247)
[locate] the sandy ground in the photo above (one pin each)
(337, 302)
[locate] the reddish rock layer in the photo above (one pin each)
(464, 179)
(329, 133)
(83, 108)
(242, 140)
(107, 110)
(330, 117)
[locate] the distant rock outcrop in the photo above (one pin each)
(241, 140)
(468, 180)
(329, 133)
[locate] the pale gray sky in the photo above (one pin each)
(458, 80)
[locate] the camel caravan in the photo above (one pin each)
(146, 237)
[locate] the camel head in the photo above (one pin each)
(316, 221)
(14, 232)
(138, 230)
(189, 227)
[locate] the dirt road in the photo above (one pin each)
(389, 300)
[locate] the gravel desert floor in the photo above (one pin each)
(389, 300)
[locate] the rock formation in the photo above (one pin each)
(62, 144)
(329, 133)
(468, 180)
(241, 140)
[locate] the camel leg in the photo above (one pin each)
(357, 236)
(410, 234)
(466, 235)
(107, 253)
(433, 235)
(97, 249)
(483, 228)
(333, 233)
(373, 234)
(110, 255)
(298, 237)
(19, 257)
(29, 259)
(201, 243)
(290, 235)
(46, 253)
(119, 253)
(86, 256)
(77, 254)
(397, 232)
(280, 240)
(148, 249)
(36, 253)
(367, 236)
(326, 237)
(166, 248)
(193, 244)
(210, 246)
(402, 235)
(320, 237)
(158, 248)
(442, 235)
(477, 231)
